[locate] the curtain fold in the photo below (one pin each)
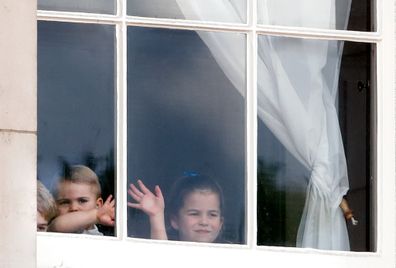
(298, 105)
(297, 91)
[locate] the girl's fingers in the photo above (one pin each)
(158, 192)
(133, 205)
(143, 187)
(134, 196)
(136, 190)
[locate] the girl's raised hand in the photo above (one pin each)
(150, 203)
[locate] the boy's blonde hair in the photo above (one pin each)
(46, 205)
(82, 174)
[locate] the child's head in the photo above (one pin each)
(46, 207)
(78, 190)
(195, 209)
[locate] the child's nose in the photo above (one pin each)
(73, 207)
(203, 220)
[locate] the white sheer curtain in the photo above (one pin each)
(297, 89)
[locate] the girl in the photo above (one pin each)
(195, 209)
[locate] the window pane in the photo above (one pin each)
(76, 103)
(186, 119)
(340, 15)
(203, 10)
(89, 6)
(315, 132)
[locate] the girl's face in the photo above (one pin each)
(199, 220)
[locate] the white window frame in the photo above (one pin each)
(68, 250)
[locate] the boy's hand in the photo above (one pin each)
(149, 203)
(106, 213)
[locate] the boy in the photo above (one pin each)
(46, 207)
(79, 202)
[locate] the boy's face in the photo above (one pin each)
(199, 220)
(76, 197)
(42, 223)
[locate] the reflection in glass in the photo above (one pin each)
(89, 6)
(186, 119)
(76, 102)
(202, 10)
(313, 143)
(339, 14)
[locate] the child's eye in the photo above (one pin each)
(214, 214)
(63, 202)
(82, 200)
(41, 228)
(193, 213)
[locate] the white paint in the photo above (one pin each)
(18, 164)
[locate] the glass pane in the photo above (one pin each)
(202, 10)
(315, 149)
(339, 14)
(186, 123)
(76, 113)
(89, 6)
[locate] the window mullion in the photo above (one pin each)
(121, 8)
(186, 24)
(121, 73)
(325, 34)
(77, 17)
(251, 138)
(251, 126)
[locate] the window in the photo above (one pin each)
(184, 116)
(90, 6)
(76, 102)
(316, 153)
(187, 89)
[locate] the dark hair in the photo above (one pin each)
(188, 184)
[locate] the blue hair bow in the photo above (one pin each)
(190, 173)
